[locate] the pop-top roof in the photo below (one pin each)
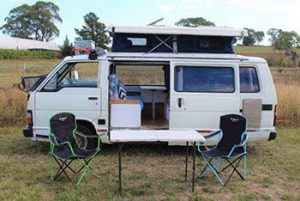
(197, 31)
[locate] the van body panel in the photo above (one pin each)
(200, 110)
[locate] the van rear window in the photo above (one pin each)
(204, 79)
(248, 80)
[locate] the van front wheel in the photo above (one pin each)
(85, 142)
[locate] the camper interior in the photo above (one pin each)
(147, 86)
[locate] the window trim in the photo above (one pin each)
(258, 81)
(131, 39)
(202, 66)
(71, 64)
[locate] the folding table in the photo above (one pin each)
(122, 137)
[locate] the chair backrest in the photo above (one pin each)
(233, 126)
(62, 126)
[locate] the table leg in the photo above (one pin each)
(120, 167)
(186, 160)
(194, 156)
(153, 106)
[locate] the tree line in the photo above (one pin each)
(38, 22)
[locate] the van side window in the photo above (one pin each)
(249, 80)
(204, 79)
(74, 75)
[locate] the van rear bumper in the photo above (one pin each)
(272, 136)
(27, 131)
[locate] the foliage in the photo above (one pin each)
(253, 37)
(33, 22)
(283, 40)
(94, 30)
(27, 54)
(250, 39)
(259, 36)
(66, 48)
(194, 22)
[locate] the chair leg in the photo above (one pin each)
(234, 169)
(236, 166)
(245, 165)
(86, 167)
(203, 172)
(63, 165)
(229, 164)
(214, 170)
(51, 168)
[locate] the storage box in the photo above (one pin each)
(125, 113)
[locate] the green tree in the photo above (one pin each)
(33, 22)
(94, 30)
(259, 36)
(283, 40)
(250, 39)
(67, 48)
(194, 22)
(273, 32)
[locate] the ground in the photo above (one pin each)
(152, 172)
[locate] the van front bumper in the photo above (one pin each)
(27, 131)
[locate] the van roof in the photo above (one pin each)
(171, 30)
(166, 57)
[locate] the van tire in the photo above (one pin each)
(84, 142)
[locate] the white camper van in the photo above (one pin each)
(160, 79)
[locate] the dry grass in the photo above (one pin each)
(12, 107)
(33, 63)
(288, 103)
(151, 172)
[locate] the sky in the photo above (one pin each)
(260, 15)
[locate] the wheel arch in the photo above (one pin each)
(86, 123)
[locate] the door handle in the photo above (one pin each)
(93, 98)
(179, 102)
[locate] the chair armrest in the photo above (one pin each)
(53, 139)
(87, 136)
(244, 139)
(54, 142)
(218, 132)
(90, 136)
(213, 134)
(243, 142)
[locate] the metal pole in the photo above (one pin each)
(194, 156)
(153, 105)
(120, 168)
(186, 160)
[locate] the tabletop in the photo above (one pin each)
(155, 136)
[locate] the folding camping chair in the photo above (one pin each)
(231, 148)
(65, 147)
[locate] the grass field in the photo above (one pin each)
(153, 172)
